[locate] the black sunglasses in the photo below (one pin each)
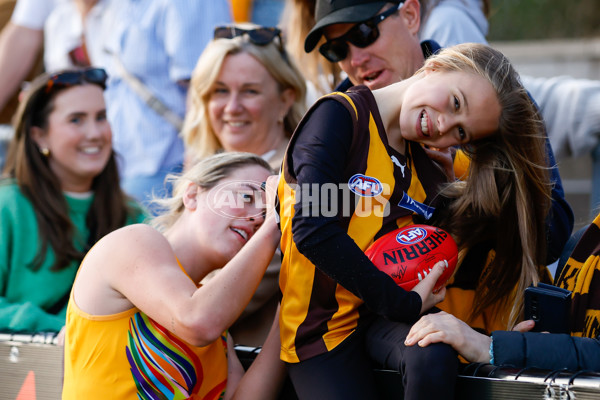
(260, 36)
(361, 35)
(96, 76)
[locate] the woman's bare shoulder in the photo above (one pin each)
(116, 265)
(135, 232)
(131, 241)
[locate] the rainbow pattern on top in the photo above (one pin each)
(163, 366)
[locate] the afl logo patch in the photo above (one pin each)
(365, 186)
(411, 235)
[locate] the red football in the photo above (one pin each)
(408, 254)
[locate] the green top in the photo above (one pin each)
(25, 295)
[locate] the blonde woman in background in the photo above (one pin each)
(245, 95)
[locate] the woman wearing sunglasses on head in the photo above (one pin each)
(245, 95)
(59, 194)
(138, 323)
(338, 312)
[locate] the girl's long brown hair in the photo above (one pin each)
(507, 196)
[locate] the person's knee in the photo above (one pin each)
(439, 360)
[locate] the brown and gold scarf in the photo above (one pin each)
(581, 275)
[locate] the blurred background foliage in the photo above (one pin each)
(543, 19)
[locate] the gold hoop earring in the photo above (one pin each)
(45, 152)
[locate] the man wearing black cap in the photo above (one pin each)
(375, 42)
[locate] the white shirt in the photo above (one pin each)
(452, 22)
(63, 32)
(32, 14)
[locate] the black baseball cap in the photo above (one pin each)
(329, 12)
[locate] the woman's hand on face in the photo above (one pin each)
(425, 287)
(446, 328)
(445, 158)
(270, 187)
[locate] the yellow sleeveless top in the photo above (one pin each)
(130, 356)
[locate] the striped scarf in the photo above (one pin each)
(581, 275)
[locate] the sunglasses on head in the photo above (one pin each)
(361, 35)
(260, 36)
(96, 76)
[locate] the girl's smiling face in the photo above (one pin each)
(78, 136)
(449, 108)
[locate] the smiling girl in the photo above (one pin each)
(338, 311)
(60, 194)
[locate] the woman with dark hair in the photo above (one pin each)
(59, 194)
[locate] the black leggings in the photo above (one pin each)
(427, 372)
(346, 372)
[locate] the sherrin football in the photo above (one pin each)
(408, 254)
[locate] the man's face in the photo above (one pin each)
(394, 56)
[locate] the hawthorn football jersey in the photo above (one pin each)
(342, 186)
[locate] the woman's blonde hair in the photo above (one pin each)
(297, 19)
(206, 173)
(197, 132)
(507, 196)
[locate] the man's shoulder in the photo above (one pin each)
(430, 47)
(344, 85)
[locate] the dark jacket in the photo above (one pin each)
(551, 351)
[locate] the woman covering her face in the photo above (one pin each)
(59, 194)
(355, 169)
